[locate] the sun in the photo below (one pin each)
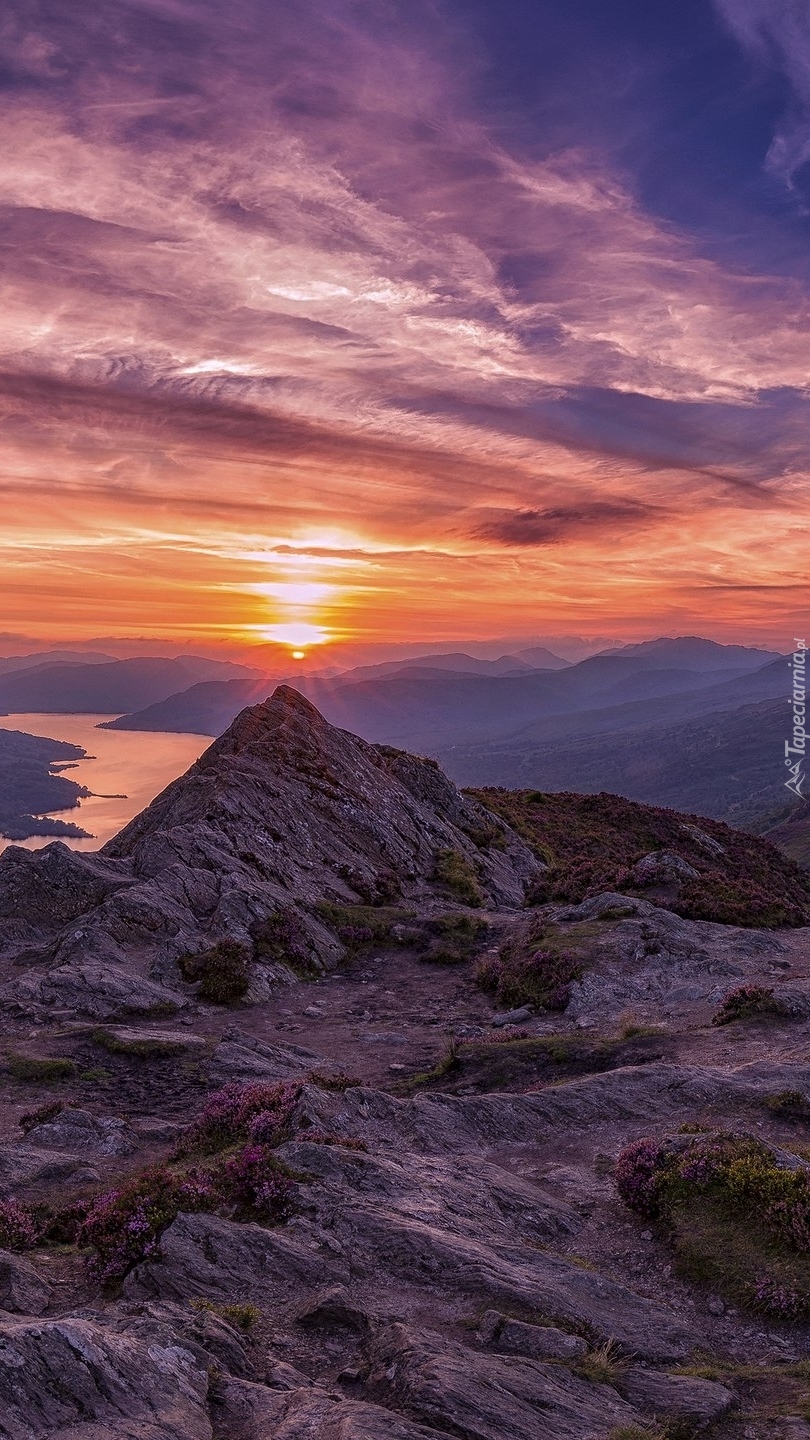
(299, 654)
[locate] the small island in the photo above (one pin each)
(31, 785)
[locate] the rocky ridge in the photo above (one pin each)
(452, 1257)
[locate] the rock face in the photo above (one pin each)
(281, 813)
(409, 1223)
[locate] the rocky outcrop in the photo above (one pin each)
(282, 813)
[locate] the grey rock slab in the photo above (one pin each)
(101, 989)
(311, 1413)
(423, 1258)
(676, 1397)
(77, 1379)
(22, 1289)
(486, 1397)
(84, 1134)
(536, 1342)
(203, 1256)
(25, 1165)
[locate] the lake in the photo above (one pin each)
(127, 770)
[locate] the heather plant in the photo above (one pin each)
(253, 1181)
(228, 1114)
(358, 926)
(19, 1226)
(520, 974)
(123, 1225)
(739, 1216)
(222, 972)
(746, 1001)
(590, 843)
(282, 938)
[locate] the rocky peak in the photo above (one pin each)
(282, 813)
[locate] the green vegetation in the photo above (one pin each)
(241, 1317)
(148, 1047)
(221, 973)
(515, 1063)
(360, 926)
(527, 971)
(745, 1002)
(591, 843)
(37, 1070)
(788, 1105)
(458, 876)
(737, 1217)
(452, 939)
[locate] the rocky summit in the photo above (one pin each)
(340, 1105)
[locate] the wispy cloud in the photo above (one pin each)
(777, 33)
(265, 267)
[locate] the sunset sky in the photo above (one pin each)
(405, 320)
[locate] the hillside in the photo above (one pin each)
(727, 765)
(312, 1127)
(30, 785)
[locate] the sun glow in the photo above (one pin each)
(297, 633)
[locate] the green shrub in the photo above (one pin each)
(455, 872)
(738, 1217)
(452, 939)
(39, 1071)
(222, 972)
(746, 1001)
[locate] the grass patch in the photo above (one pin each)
(221, 973)
(516, 1064)
(241, 1317)
(360, 926)
(452, 939)
(591, 843)
(738, 1219)
(148, 1047)
(602, 1366)
(34, 1070)
(788, 1105)
(455, 873)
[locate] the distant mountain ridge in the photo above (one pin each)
(104, 686)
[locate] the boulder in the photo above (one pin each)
(22, 1288)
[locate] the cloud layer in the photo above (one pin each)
(273, 276)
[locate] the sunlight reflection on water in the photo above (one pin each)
(129, 768)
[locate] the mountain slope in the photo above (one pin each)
(280, 815)
(728, 764)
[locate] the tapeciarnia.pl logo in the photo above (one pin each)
(795, 749)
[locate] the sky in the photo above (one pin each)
(380, 320)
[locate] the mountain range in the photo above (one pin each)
(685, 722)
